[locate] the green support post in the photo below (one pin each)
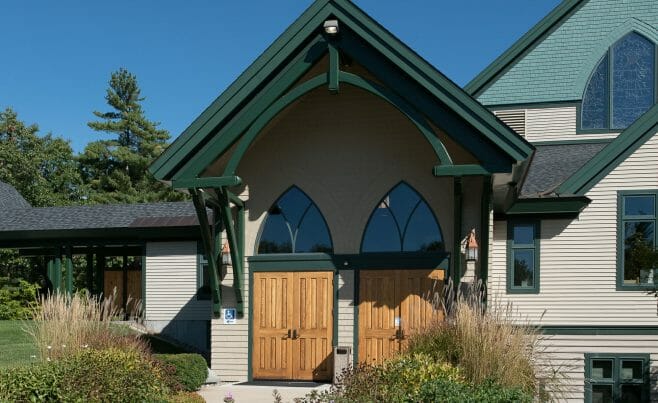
(334, 68)
(51, 273)
(90, 272)
(69, 271)
(484, 234)
(198, 199)
(456, 258)
(57, 281)
(236, 256)
(100, 273)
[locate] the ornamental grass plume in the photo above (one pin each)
(64, 324)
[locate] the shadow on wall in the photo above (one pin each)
(190, 327)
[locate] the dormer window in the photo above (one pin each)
(622, 86)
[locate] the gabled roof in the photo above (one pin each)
(521, 47)
(301, 34)
(613, 154)
(10, 199)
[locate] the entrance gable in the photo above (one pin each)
(418, 90)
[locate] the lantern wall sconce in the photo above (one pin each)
(226, 254)
(472, 247)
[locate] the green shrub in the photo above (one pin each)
(17, 299)
(444, 390)
(183, 371)
(89, 375)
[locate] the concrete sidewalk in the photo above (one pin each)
(255, 393)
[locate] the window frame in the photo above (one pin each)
(201, 261)
(621, 219)
(511, 246)
(610, 53)
(616, 380)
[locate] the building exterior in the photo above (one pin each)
(334, 181)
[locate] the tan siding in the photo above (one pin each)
(567, 353)
(171, 282)
(552, 124)
(578, 264)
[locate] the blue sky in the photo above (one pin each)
(57, 56)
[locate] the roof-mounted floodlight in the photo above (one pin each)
(331, 27)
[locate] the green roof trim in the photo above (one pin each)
(612, 155)
(522, 46)
(549, 206)
(305, 36)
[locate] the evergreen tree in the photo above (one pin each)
(41, 168)
(116, 169)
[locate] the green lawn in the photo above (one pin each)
(16, 346)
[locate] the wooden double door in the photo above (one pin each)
(393, 304)
(293, 325)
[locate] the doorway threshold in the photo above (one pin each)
(299, 384)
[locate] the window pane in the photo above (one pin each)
(601, 393)
(293, 204)
(595, 100)
(631, 393)
(524, 267)
(313, 235)
(276, 236)
(632, 79)
(601, 369)
(382, 234)
(639, 205)
(402, 200)
(638, 252)
(422, 233)
(631, 369)
(524, 234)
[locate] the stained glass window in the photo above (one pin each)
(402, 222)
(622, 86)
(294, 224)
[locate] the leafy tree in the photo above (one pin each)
(116, 169)
(41, 168)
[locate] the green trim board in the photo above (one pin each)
(534, 105)
(612, 155)
(460, 170)
(457, 231)
(206, 182)
(514, 247)
(572, 142)
(292, 262)
(442, 90)
(621, 219)
(599, 330)
(614, 378)
(547, 206)
(522, 46)
(485, 209)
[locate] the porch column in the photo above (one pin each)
(69, 270)
(457, 233)
(90, 272)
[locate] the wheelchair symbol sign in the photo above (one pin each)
(229, 316)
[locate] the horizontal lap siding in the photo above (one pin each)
(578, 258)
(171, 282)
(566, 353)
(345, 308)
(229, 343)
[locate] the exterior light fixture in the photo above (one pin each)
(471, 247)
(331, 27)
(226, 254)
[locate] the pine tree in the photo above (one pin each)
(116, 169)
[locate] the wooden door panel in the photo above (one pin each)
(378, 309)
(313, 323)
(272, 353)
(411, 296)
(420, 302)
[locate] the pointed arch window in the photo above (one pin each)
(402, 222)
(622, 86)
(294, 224)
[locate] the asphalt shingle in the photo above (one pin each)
(10, 199)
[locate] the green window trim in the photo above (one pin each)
(203, 289)
(614, 380)
(514, 247)
(621, 220)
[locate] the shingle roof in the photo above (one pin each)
(145, 215)
(10, 199)
(553, 164)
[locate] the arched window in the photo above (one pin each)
(402, 222)
(622, 86)
(294, 225)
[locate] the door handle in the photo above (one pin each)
(287, 336)
(294, 334)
